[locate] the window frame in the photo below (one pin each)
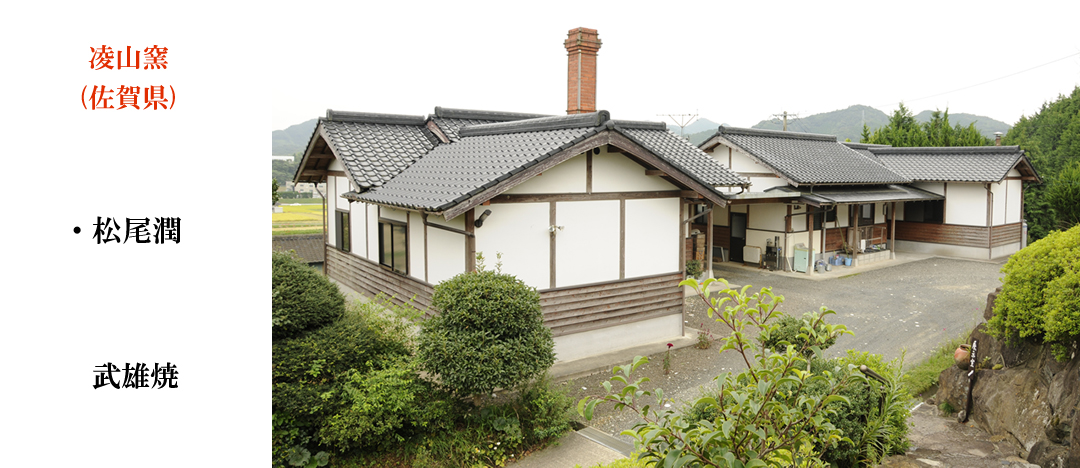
(343, 242)
(390, 263)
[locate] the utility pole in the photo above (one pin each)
(785, 116)
(682, 121)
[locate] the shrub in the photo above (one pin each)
(763, 415)
(1038, 296)
(489, 334)
(303, 299)
(874, 417)
(789, 330)
(693, 268)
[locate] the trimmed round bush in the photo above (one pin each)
(489, 334)
(1038, 295)
(303, 299)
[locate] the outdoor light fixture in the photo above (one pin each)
(480, 221)
(553, 228)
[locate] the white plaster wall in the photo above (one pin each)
(652, 236)
(587, 248)
(738, 208)
(597, 342)
(741, 162)
(841, 216)
(879, 213)
(520, 232)
(331, 206)
(617, 173)
(1014, 194)
(391, 213)
(767, 216)
(416, 246)
(567, 177)
(966, 204)
(760, 184)
(1000, 199)
(720, 215)
(341, 186)
(357, 229)
(933, 187)
(900, 211)
(336, 165)
(373, 232)
(446, 250)
(755, 238)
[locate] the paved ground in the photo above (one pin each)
(913, 303)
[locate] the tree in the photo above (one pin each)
(1063, 196)
(903, 131)
(274, 190)
(302, 298)
(1051, 141)
(489, 333)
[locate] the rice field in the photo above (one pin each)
(298, 219)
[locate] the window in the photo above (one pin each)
(865, 213)
(393, 246)
(342, 221)
(830, 217)
(925, 212)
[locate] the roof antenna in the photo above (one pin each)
(682, 119)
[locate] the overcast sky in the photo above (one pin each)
(731, 62)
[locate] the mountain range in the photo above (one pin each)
(844, 124)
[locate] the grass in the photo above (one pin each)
(298, 220)
(924, 375)
(303, 201)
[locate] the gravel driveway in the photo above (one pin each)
(913, 306)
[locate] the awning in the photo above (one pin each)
(857, 194)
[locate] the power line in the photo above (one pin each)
(988, 81)
(682, 122)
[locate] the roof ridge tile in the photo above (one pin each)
(774, 133)
(374, 118)
(561, 122)
(448, 113)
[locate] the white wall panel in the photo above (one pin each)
(617, 173)
(965, 204)
(520, 232)
(1000, 199)
(357, 229)
(567, 177)
(767, 216)
(587, 248)
(396, 215)
(1014, 195)
(373, 232)
(416, 246)
(652, 236)
(335, 165)
(720, 215)
(331, 205)
(761, 184)
(933, 187)
(446, 250)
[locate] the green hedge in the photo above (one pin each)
(303, 299)
(788, 330)
(489, 334)
(1038, 296)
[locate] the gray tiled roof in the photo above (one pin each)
(376, 147)
(453, 172)
(958, 163)
(809, 159)
(450, 121)
(678, 151)
(863, 148)
(487, 154)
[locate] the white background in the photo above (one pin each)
(69, 304)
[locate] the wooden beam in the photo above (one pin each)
(654, 172)
(709, 239)
(550, 197)
(322, 172)
(588, 172)
(448, 228)
(321, 156)
(689, 194)
(470, 242)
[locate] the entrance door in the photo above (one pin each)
(738, 236)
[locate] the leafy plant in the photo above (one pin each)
(763, 414)
(1038, 296)
(489, 334)
(924, 375)
(704, 338)
(303, 299)
(693, 268)
(667, 359)
(788, 331)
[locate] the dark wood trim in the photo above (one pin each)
(554, 197)
(787, 220)
(955, 234)
(322, 172)
(690, 194)
(450, 229)
(673, 172)
(371, 278)
(551, 245)
(588, 172)
(709, 241)
(601, 284)
(622, 239)
(470, 241)
(730, 163)
(321, 156)
(892, 228)
(654, 172)
(760, 174)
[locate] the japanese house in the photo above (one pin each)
(590, 211)
(812, 197)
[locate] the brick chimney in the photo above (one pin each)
(581, 47)
(997, 138)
